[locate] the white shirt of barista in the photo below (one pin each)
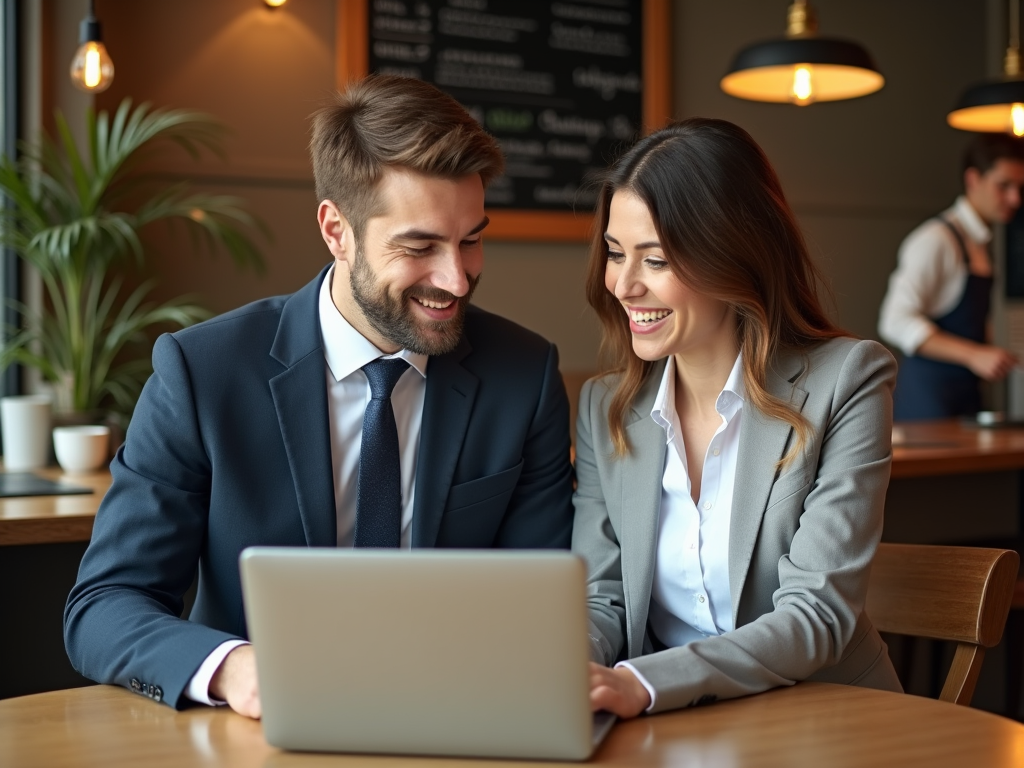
(346, 351)
(930, 276)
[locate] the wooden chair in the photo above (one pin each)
(574, 381)
(960, 594)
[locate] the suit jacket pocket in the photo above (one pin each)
(788, 485)
(475, 509)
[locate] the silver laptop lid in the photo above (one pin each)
(426, 652)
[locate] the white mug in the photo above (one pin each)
(25, 430)
(81, 449)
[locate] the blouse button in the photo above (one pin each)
(716, 451)
(700, 598)
(707, 505)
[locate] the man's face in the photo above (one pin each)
(411, 276)
(995, 194)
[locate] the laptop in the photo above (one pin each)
(430, 652)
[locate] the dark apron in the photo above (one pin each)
(932, 389)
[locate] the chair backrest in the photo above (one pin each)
(960, 594)
(574, 381)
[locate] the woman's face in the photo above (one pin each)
(666, 317)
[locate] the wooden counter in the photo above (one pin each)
(53, 519)
(951, 447)
(923, 449)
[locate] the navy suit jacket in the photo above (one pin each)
(230, 447)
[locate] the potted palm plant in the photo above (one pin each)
(76, 216)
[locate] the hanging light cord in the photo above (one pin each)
(1015, 24)
(800, 20)
(1011, 64)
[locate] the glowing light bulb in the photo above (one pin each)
(92, 69)
(275, 3)
(91, 75)
(803, 89)
(1017, 117)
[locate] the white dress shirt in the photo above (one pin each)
(690, 595)
(348, 394)
(346, 351)
(930, 276)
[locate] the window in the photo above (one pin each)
(10, 273)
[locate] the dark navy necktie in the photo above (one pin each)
(379, 488)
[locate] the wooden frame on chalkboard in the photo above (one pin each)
(352, 62)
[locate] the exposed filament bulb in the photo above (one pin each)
(91, 69)
(1017, 118)
(802, 92)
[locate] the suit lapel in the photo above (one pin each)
(447, 405)
(763, 442)
(640, 479)
(300, 398)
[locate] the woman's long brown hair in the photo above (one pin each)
(728, 232)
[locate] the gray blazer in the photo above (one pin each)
(801, 539)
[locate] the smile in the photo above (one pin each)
(434, 304)
(437, 311)
(648, 317)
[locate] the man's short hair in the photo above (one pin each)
(384, 122)
(986, 149)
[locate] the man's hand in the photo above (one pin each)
(235, 682)
(617, 691)
(991, 363)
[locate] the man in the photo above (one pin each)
(936, 309)
(252, 431)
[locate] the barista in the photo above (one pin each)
(936, 310)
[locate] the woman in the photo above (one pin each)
(732, 470)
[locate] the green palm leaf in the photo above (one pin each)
(75, 213)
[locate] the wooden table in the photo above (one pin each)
(53, 519)
(810, 724)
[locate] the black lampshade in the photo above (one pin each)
(833, 69)
(989, 107)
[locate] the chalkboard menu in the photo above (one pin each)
(561, 85)
(558, 84)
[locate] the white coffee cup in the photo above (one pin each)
(25, 430)
(81, 449)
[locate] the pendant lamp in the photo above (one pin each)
(91, 68)
(802, 68)
(996, 106)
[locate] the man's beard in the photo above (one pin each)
(395, 320)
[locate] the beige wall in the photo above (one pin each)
(58, 29)
(860, 174)
(261, 72)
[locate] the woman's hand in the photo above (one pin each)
(617, 691)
